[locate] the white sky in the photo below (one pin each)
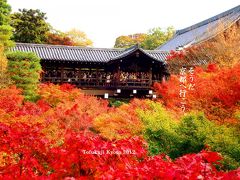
(104, 20)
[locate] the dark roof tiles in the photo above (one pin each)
(83, 54)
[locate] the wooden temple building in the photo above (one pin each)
(101, 71)
(124, 72)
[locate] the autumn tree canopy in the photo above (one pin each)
(30, 26)
(79, 38)
(130, 40)
(5, 10)
(157, 36)
(73, 37)
(151, 40)
(56, 37)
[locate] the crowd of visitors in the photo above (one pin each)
(94, 77)
(127, 76)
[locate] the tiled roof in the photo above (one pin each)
(126, 52)
(154, 54)
(68, 53)
(202, 31)
(84, 54)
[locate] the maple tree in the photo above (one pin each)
(59, 38)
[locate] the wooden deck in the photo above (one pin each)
(140, 88)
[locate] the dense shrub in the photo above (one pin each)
(117, 102)
(191, 134)
(24, 69)
(159, 128)
(196, 132)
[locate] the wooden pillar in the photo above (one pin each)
(150, 75)
(161, 74)
(118, 74)
(97, 77)
(62, 73)
(79, 76)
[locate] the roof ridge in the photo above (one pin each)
(70, 47)
(135, 48)
(209, 20)
(155, 51)
(126, 52)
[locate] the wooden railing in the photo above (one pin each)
(101, 83)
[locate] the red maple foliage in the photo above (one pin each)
(28, 152)
(216, 92)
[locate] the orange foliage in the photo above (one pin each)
(59, 39)
(55, 94)
(10, 99)
(121, 122)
